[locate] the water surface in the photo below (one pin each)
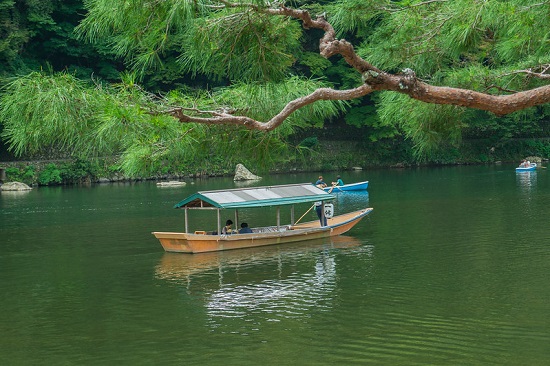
(450, 268)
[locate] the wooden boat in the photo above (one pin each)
(359, 186)
(530, 168)
(245, 198)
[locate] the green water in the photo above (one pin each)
(451, 268)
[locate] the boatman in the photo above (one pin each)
(320, 213)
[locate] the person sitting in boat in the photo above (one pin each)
(227, 228)
(245, 229)
(320, 182)
(339, 181)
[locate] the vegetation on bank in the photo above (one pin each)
(323, 156)
(164, 74)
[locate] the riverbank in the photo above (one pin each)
(327, 156)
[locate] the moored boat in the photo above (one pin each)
(529, 168)
(245, 198)
(359, 186)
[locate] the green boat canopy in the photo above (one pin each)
(256, 197)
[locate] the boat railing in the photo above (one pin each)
(269, 229)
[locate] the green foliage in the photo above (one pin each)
(342, 76)
(50, 175)
(355, 16)
(309, 142)
(262, 101)
(178, 44)
(79, 171)
(25, 174)
(429, 126)
(258, 48)
(13, 174)
(316, 64)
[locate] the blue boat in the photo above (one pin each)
(526, 168)
(359, 186)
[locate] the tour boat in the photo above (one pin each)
(359, 186)
(530, 168)
(255, 197)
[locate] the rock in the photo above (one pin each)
(534, 159)
(172, 183)
(15, 186)
(241, 173)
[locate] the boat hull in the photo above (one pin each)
(201, 243)
(527, 169)
(360, 186)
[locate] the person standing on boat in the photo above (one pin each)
(320, 182)
(339, 181)
(320, 214)
(227, 228)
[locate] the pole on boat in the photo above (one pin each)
(291, 214)
(278, 217)
(186, 221)
(322, 213)
(304, 214)
(219, 223)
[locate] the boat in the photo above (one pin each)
(201, 241)
(359, 186)
(530, 168)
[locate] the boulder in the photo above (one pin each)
(15, 186)
(172, 183)
(534, 159)
(241, 173)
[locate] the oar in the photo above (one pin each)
(304, 214)
(335, 186)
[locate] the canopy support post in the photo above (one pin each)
(292, 214)
(219, 222)
(323, 213)
(278, 217)
(186, 220)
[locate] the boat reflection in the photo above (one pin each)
(181, 268)
(260, 285)
(526, 180)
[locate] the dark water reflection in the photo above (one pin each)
(450, 268)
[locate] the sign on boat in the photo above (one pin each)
(256, 197)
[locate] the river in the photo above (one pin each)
(451, 268)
